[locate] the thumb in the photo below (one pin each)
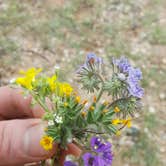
(20, 142)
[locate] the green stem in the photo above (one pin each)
(101, 90)
(56, 157)
(116, 101)
(40, 102)
(43, 163)
(100, 94)
(52, 162)
(42, 105)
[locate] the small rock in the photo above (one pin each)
(101, 51)
(152, 109)
(56, 67)
(137, 115)
(153, 84)
(66, 53)
(164, 60)
(82, 52)
(162, 96)
(126, 164)
(11, 81)
(146, 130)
(162, 149)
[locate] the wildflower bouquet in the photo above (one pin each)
(88, 123)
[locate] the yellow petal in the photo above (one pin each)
(47, 142)
(116, 109)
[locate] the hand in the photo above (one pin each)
(21, 130)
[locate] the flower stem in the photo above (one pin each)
(56, 158)
(52, 162)
(101, 90)
(43, 163)
(99, 95)
(116, 101)
(44, 106)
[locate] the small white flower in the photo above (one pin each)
(12, 81)
(56, 67)
(69, 140)
(58, 119)
(50, 123)
(121, 76)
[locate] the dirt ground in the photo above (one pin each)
(53, 33)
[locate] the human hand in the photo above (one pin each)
(21, 130)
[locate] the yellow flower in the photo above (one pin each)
(32, 72)
(94, 99)
(118, 133)
(84, 102)
(105, 111)
(116, 121)
(52, 83)
(47, 142)
(92, 108)
(29, 77)
(26, 82)
(66, 89)
(116, 109)
(46, 129)
(127, 122)
(75, 93)
(83, 114)
(66, 104)
(122, 121)
(105, 103)
(78, 99)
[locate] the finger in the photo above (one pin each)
(72, 150)
(20, 142)
(14, 105)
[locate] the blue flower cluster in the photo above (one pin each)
(69, 163)
(133, 76)
(88, 73)
(93, 58)
(103, 154)
(91, 61)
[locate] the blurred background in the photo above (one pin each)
(59, 33)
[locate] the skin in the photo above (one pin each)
(21, 130)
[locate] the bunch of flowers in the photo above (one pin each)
(72, 119)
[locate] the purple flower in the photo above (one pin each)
(104, 154)
(69, 163)
(93, 58)
(104, 159)
(98, 146)
(133, 79)
(107, 147)
(138, 73)
(134, 74)
(123, 64)
(107, 157)
(90, 160)
(135, 90)
(100, 161)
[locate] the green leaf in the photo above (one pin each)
(90, 117)
(110, 129)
